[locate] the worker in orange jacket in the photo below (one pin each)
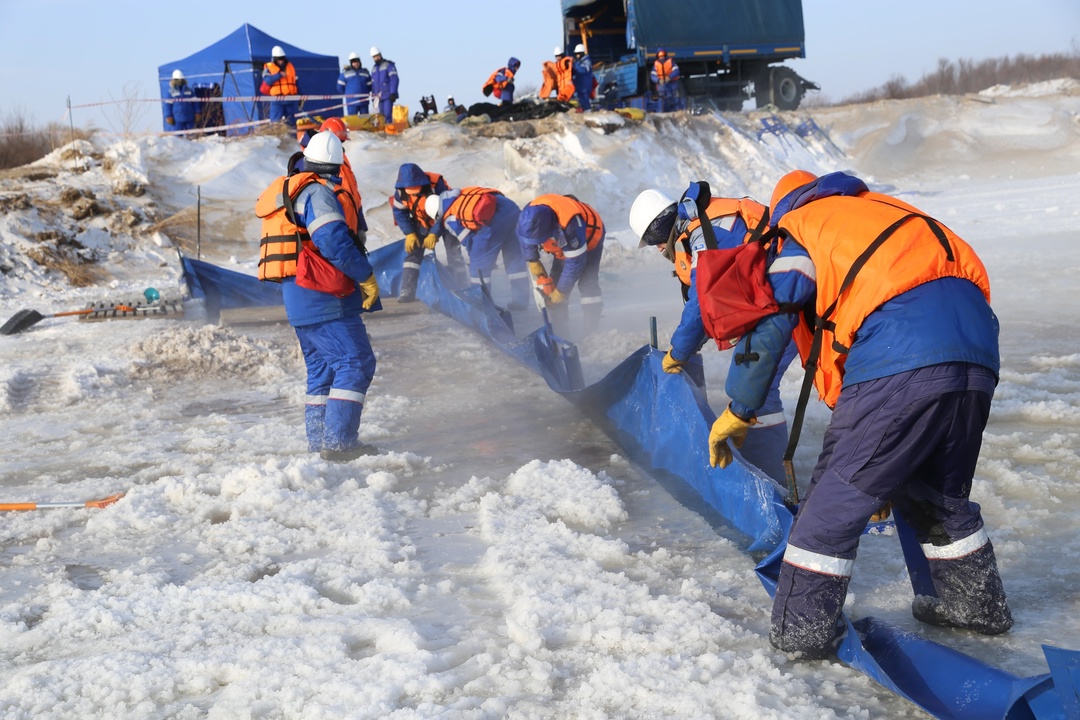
(501, 82)
(280, 80)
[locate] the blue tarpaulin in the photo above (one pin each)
(636, 404)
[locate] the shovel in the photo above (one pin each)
(25, 318)
(103, 502)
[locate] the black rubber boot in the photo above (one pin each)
(806, 615)
(970, 595)
(409, 278)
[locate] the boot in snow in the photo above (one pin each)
(970, 594)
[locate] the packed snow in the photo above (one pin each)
(501, 557)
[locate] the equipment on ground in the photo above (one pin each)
(103, 502)
(26, 318)
(727, 51)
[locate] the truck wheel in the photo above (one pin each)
(787, 88)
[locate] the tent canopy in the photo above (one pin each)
(232, 67)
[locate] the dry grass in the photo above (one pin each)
(23, 142)
(74, 267)
(181, 227)
(969, 76)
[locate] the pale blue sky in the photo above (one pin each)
(110, 49)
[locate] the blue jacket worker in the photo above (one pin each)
(675, 229)
(181, 111)
(584, 81)
(501, 82)
(337, 351)
(384, 85)
(412, 187)
(484, 221)
(573, 234)
(354, 81)
(907, 358)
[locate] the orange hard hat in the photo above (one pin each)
(791, 181)
(337, 126)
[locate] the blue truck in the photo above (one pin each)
(728, 51)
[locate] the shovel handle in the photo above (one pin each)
(87, 311)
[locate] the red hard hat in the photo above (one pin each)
(336, 126)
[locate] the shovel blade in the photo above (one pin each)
(20, 321)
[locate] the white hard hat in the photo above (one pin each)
(579, 49)
(375, 51)
(278, 51)
(647, 207)
(558, 50)
(324, 147)
(177, 75)
(432, 205)
(353, 56)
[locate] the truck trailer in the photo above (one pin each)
(728, 51)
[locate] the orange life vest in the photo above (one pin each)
(286, 84)
(564, 75)
(551, 80)
(662, 68)
(282, 236)
(499, 85)
(912, 249)
(566, 209)
(474, 207)
(414, 204)
(352, 190)
(750, 211)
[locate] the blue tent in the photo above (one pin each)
(232, 67)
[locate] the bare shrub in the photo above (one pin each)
(970, 76)
(125, 114)
(23, 142)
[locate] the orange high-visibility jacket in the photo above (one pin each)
(566, 209)
(286, 84)
(835, 231)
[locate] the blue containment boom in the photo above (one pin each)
(663, 421)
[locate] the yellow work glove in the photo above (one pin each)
(537, 269)
(412, 242)
(728, 425)
(370, 290)
(555, 298)
(429, 241)
(883, 513)
(671, 365)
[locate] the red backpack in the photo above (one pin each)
(732, 289)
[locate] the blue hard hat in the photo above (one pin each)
(513, 63)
